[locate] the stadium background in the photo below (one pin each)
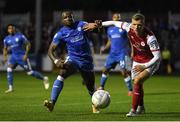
(40, 19)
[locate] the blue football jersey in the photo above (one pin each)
(76, 40)
(119, 41)
(16, 43)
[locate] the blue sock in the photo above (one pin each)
(10, 78)
(57, 87)
(127, 80)
(36, 75)
(103, 80)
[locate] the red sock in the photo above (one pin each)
(136, 96)
(141, 103)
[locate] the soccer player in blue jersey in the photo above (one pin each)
(119, 54)
(78, 57)
(18, 45)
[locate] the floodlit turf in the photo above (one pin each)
(162, 100)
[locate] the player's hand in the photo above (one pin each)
(59, 63)
(98, 22)
(25, 57)
(90, 27)
(102, 50)
(139, 68)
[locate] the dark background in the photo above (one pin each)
(148, 6)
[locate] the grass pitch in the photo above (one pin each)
(162, 100)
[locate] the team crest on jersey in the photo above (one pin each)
(8, 41)
(142, 44)
(79, 28)
(16, 39)
(120, 30)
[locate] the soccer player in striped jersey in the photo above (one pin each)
(17, 44)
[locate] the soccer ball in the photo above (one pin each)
(101, 99)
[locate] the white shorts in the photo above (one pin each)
(151, 69)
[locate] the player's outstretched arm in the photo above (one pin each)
(114, 23)
(90, 26)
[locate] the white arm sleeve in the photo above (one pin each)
(120, 24)
(155, 49)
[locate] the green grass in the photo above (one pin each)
(162, 100)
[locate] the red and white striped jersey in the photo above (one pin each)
(143, 47)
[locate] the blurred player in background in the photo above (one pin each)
(119, 54)
(166, 60)
(18, 45)
(78, 57)
(146, 56)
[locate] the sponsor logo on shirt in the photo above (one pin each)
(142, 44)
(76, 38)
(115, 36)
(16, 39)
(79, 28)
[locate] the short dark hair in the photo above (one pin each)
(138, 16)
(66, 11)
(11, 25)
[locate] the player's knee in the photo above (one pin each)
(63, 73)
(9, 69)
(105, 71)
(137, 80)
(59, 77)
(29, 72)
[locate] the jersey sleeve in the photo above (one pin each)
(83, 23)
(57, 38)
(153, 44)
(5, 42)
(24, 39)
(155, 49)
(120, 24)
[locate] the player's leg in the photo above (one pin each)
(141, 108)
(58, 84)
(104, 77)
(27, 67)
(9, 78)
(10, 67)
(137, 91)
(109, 64)
(89, 79)
(38, 75)
(127, 80)
(125, 67)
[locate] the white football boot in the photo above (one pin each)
(46, 82)
(131, 113)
